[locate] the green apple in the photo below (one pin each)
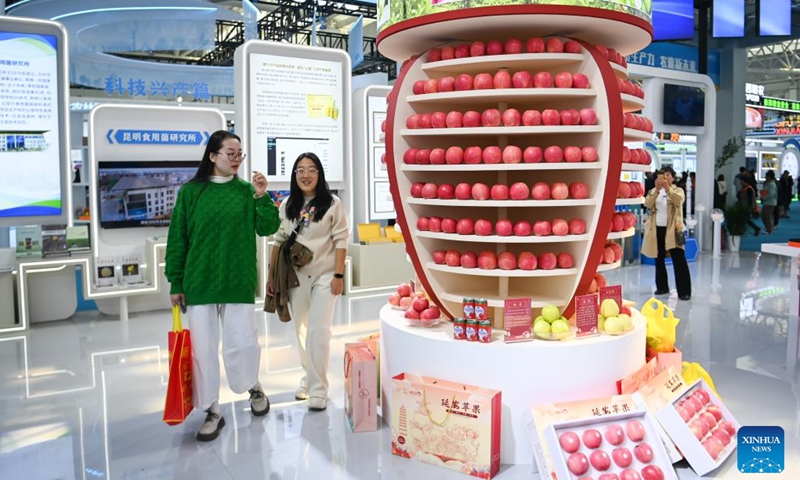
(541, 327)
(627, 321)
(560, 326)
(613, 325)
(609, 308)
(539, 318)
(551, 313)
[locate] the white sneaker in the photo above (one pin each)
(317, 404)
(210, 428)
(259, 403)
(301, 393)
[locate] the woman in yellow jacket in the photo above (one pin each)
(665, 203)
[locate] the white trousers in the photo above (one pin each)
(240, 349)
(312, 305)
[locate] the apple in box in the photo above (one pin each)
(463, 191)
(430, 191)
(540, 191)
(477, 49)
(553, 154)
(480, 191)
(423, 156)
(527, 261)
(522, 79)
(499, 192)
(462, 51)
(454, 120)
(454, 156)
(532, 118)
(542, 228)
(439, 120)
(551, 117)
(453, 258)
(559, 191)
(491, 118)
(519, 191)
(534, 45)
(473, 155)
(483, 227)
(471, 119)
(446, 191)
(438, 156)
(449, 225)
(465, 226)
(522, 228)
(507, 261)
(512, 118)
(492, 155)
(423, 224)
(494, 47)
(464, 82)
(504, 227)
(502, 79)
(487, 260)
(532, 155)
(589, 154)
(469, 260)
(435, 224)
(543, 80)
(483, 81)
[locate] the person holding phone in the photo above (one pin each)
(211, 268)
(662, 231)
(314, 218)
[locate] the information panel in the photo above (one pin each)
(381, 204)
(32, 127)
(296, 106)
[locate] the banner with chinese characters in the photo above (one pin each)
(448, 424)
(670, 56)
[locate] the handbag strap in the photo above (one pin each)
(428, 412)
(177, 327)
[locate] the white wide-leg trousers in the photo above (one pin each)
(241, 352)
(312, 306)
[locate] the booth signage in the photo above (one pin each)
(157, 137)
(675, 57)
(136, 87)
(754, 97)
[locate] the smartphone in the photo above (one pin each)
(183, 308)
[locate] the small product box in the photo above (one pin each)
(701, 426)
(625, 446)
(659, 391)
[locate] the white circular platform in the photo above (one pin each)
(531, 373)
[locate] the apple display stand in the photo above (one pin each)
(531, 373)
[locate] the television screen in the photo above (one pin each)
(774, 18)
(728, 18)
(140, 194)
(673, 20)
(684, 105)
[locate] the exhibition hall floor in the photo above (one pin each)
(82, 399)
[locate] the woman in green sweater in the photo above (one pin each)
(211, 267)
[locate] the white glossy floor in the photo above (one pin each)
(82, 399)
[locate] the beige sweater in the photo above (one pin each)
(323, 237)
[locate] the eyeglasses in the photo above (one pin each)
(232, 156)
(311, 172)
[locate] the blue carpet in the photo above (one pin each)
(787, 228)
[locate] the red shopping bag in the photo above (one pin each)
(179, 389)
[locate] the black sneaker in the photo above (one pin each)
(259, 403)
(661, 292)
(210, 428)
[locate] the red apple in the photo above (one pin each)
(448, 52)
(454, 120)
(491, 117)
(432, 313)
(462, 51)
(573, 154)
(522, 79)
(464, 82)
(419, 304)
(487, 260)
(518, 191)
(404, 290)
(532, 118)
(463, 191)
(600, 460)
(447, 84)
(564, 260)
(425, 120)
(578, 191)
(430, 190)
(553, 154)
(643, 452)
(602, 49)
(512, 154)
(416, 189)
(480, 191)
(527, 261)
(432, 85)
(570, 117)
(534, 45)
(624, 190)
(438, 257)
(588, 116)
(465, 226)
(617, 223)
(626, 155)
(454, 156)
(492, 155)
(439, 120)
(715, 411)
(522, 228)
(423, 157)
(554, 45)
(722, 435)
(410, 156)
(541, 191)
(547, 261)
(437, 156)
(449, 225)
(483, 81)
(577, 226)
(499, 192)
(542, 228)
(423, 224)
(543, 80)
(563, 80)
(472, 119)
(652, 472)
(513, 46)
(483, 227)
(477, 49)
(504, 227)
(560, 227)
(572, 47)
(622, 456)
(512, 118)
(435, 54)
(469, 260)
(453, 258)
(507, 261)
(494, 48)
(559, 191)
(579, 80)
(412, 122)
(419, 87)
(551, 117)
(502, 79)
(411, 314)
(472, 155)
(446, 191)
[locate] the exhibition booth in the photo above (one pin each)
(495, 181)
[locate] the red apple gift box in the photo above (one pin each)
(701, 427)
(623, 447)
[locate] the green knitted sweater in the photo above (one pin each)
(211, 247)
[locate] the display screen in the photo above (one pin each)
(30, 149)
(296, 106)
(673, 19)
(774, 18)
(140, 194)
(728, 18)
(684, 105)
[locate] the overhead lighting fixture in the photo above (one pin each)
(18, 4)
(133, 9)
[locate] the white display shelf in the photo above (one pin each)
(482, 167)
(502, 203)
(620, 71)
(634, 167)
(485, 64)
(505, 95)
(498, 273)
(630, 201)
(632, 135)
(632, 103)
(473, 131)
(497, 239)
(623, 234)
(499, 302)
(609, 266)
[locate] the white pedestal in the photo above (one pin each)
(793, 338)
(532, 373)
(380, 264)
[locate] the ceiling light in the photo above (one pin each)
(130, 9)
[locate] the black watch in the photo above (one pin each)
(338, 275)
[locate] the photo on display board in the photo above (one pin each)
(382, 198)
(378, 136)
(379, 169)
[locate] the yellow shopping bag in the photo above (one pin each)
(692, 371)
(661, 325)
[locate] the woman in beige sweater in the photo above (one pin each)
(665, 203)
(325, 233)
